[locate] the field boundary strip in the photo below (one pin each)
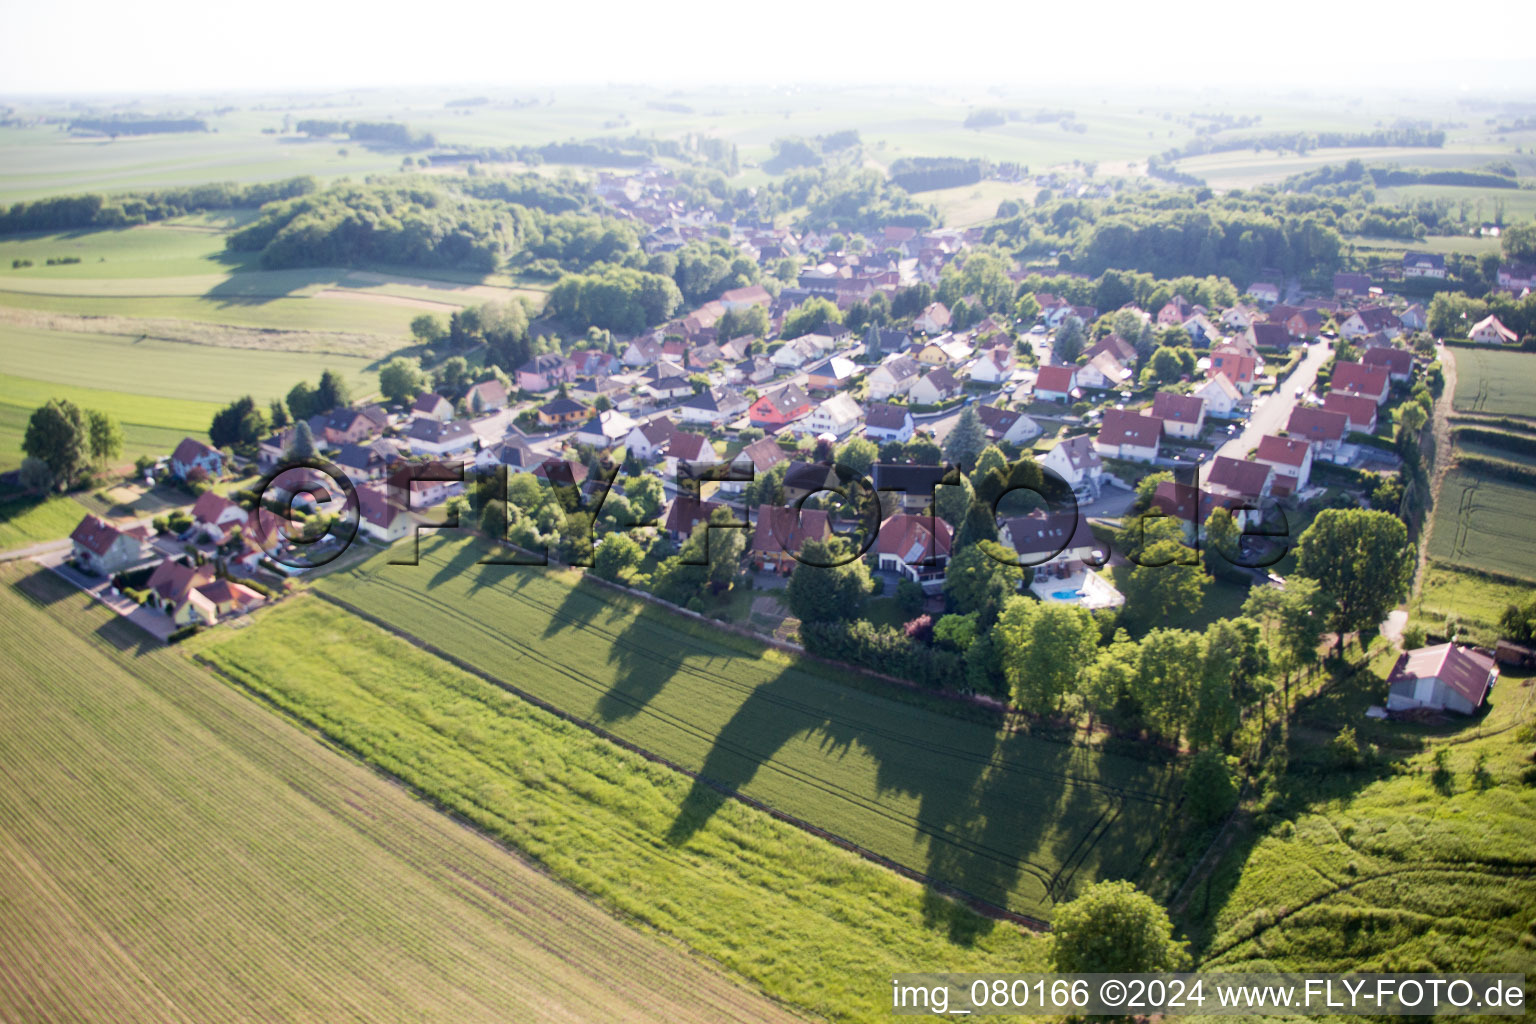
(977, 903)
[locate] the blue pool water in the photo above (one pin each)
(1066, 595)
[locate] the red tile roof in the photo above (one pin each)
(1179, 408)
(1317, 424)
(1124, 426)
(1055, 378)
(1288, 451)
(1461, 668)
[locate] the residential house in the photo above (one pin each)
(1123, 351)
(486, 396)
(915, 484)
(994, 365)
(513, 453)
(215, 516)
(1265, 293)
(545, 371)
(192, 457)
(880, 343)
(802, 479)
(642, 351)
(1241, 370)
(380, 517)
(884, 422)
(1239, 317)
(917, 547)
(648, 440)
(686, 449)
(1103, 373)
(432, 406)
(1056, 384)
(831, 373)
(1290, 458)
(429, 437)
(893, 377)
(761, 456)
(1323, 429)
(1424, 265)
(1264, 336)
(938, 385)
(363, 462)
(1398, 362)
(1220, 395)
(1126, 434)
(1201, 330)
(779, 408)
(684, 513)
(780, 534)
(103, 548)
(946, 350)
(1490, 330)
(934, 319)
(1517, 277)
(1299, 323)
(1182, 415)
(712, 406)
(738, 299)
(1175, 311)
(1077, 462)
(349, 426)
(1347, 285)
(171, 585)
(560, 412)
(1240, 486)
(666, 389)
(1414, 318)
(1052, 541)
(229, 598)
(1371, 320)
(795, 353)
(1359, 410)
(1006, 426)
(605, 429)
(838, 416)
(1359, 379)
(592, 362)
(1445, 677)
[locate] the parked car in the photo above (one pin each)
(1037, 329)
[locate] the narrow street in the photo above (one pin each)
(1271, 412)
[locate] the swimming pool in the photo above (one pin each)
(1066, 595)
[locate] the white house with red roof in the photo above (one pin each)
(1076, 461)
(1358, 410)
(916, 546)
(104, 548)
(1241, 369)
(1323, 429)
(215, 516)
(1373, 382)
(193, 456)
(1290, 458)
(1445, 677)
(1490, 330)
(780, 534)
(1398, 362)
(1220, 395)
(380, 518)
(1182, 415)
(1056, 384)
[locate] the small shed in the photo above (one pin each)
(1445, 677)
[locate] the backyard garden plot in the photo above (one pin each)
(173, 851)
(815, 926)
(1485, 524)
(1495, 382)
(1014, 819)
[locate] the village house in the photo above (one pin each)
(1077, 462)
(1415, 317)
(1424, 265)
(1445, 677)
(1370, 382)
(1320, 428)
(1123, 351)
(215, 516)
(934, 319)
(879, 343)
(1177, 310)
(646, 441)
(779, 408)
(1397, 362)
(712, 406)
(1239, 486)
(1103, 373)
(737, 299)
(1490, 330)
(760, 456)
(795, 353)
(430, 437)
(1265, 293)
(1220, 396)
(1358, 410)
(543, 372)
(171, 587)
(103, 548)
(350, 426)
(1053, 543)
(432, 406)
(685, 449)
(1290, 458)
(938, 385)
(946, 350)
(883, 422)
(1007, 426)
(917, 547)
(192, 457)
(1517, 277)
(1240, 369)
(780, 534)
(1347, 285)
(559, 412)
(1126, 434)
(831, 373)
(994, 365)
(838, 416)
(893, 377)
(1182, 415)
(363, 462)
(605, 429)
(379, 517)
(914, 484)
(1371, 320)
(513, 453)
(486, 396)
(684, 513)
(802, 479)
(1056, 384)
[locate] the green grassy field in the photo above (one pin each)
(1484, 525)
(1474, 601)
(1390, 866)
(171, 850)
(813, 925)
(1014, 819)
(31, 520)
(1243, 168)
(1483, 203)
(1495, 382)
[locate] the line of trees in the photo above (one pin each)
(99, 211)
(63, 442)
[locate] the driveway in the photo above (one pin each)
(155, 623)
(1271, 412)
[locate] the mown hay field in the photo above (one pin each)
(1484, 524)
(1495, 382)
(171, 850)
(814, 926)
(1015, 819)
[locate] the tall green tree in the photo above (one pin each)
(1045, 648)
(1363, 564)
(1209, 788)
(401, 380)
(616, 557)
(332, 392)
(975, 581)
(1112, 928)
(303, 401)
(1168, 669)
(58, 437)
(303, 444)
(1069, 340)
(277, 413)
(1161, 585)
(1108, 687)
(820, 591)
(105, 437)
(966, 440)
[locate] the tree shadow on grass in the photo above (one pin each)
(646, 655)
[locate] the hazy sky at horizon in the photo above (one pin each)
(93, 46)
